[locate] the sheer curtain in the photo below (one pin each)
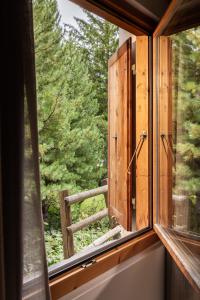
(23, 260)
(35, 277)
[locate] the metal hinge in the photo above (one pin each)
(134, 69)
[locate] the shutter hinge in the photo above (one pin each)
(133, 69)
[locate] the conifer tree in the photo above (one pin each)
(186, 46)
(98, 39)
(70, 141)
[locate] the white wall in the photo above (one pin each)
(138, 278)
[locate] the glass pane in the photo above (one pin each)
(186, 131)
(86, 77)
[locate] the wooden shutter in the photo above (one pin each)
(142, 125)
(120, 134)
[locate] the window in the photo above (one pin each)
(94, 133)
(177, 143)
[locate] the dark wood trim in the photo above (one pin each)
(179, 255)
(122, 14)
(170, 12)
(73, 279)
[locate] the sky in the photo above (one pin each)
(68, 10)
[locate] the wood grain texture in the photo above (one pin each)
(86, 194)
(87, 221)
(165, 128)
(187, 16)
(170, 12)
(122, 14)
(71, 280)
(142, 124)
(155, 129)
(120, 134)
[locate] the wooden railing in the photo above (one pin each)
(68, 229)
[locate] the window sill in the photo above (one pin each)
(70, 280)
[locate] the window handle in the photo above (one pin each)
(143, 136)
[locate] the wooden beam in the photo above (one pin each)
(85, 195)
(87, 221)
(108, 235)
(122, 14)
(71, 280)
(170, 12)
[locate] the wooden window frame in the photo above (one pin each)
(162, 177)
(72, 279)
(67, 280)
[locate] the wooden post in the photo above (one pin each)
(65, 218)
(105, 182)
(112, 220)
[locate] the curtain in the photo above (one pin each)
(23, 264)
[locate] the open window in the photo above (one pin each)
(74, 122)
(127, 192)
(176, 128)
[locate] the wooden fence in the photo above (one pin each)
(68, 229)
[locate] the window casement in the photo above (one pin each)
(130, 177)
(176, 162)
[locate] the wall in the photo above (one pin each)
(138, 278)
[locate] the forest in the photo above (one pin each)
(186, 121)
(71, 75)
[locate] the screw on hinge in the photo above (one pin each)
(144, 134)
(133, 69)
(162, 135)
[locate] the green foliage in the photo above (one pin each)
(71, 73)
(82, 238)
(98, 39)
(70, 141)
(54, 246)
(186, 119)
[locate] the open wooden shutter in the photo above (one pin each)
(120, 134)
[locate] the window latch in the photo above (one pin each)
(88, 263)
(143, 136)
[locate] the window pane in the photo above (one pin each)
(93, 147)
(186, 130)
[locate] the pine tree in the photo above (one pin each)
(70, 141)
(99, 40)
